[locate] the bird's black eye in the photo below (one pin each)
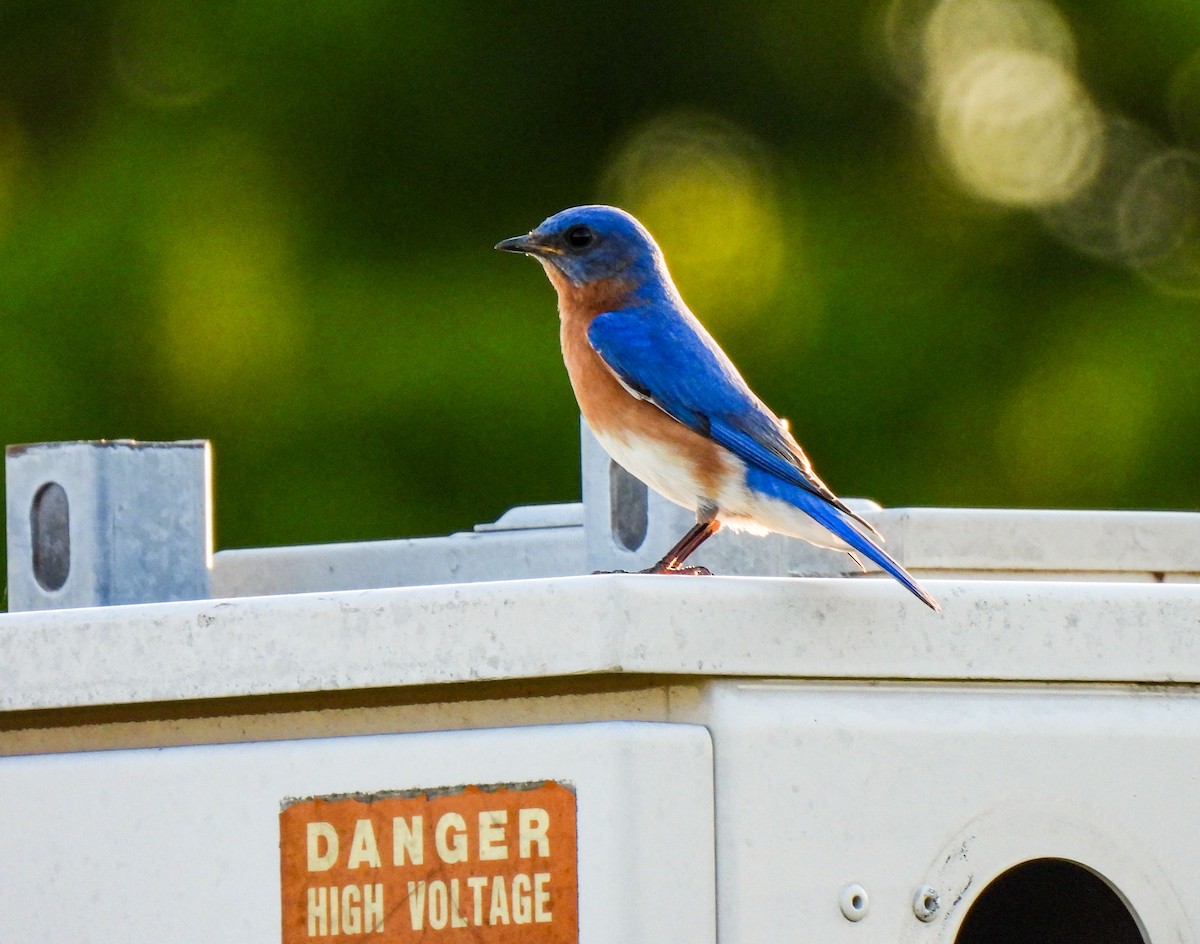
(580, 237)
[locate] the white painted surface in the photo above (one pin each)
(1008, 539)
(183, 845)
(799, 628)
(545, 541)
(897, 786)
(490, 553)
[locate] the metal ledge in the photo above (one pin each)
(538, 629)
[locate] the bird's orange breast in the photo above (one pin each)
(609, 408)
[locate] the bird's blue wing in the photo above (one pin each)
(666, 357)
(669, 359)
(661, 357)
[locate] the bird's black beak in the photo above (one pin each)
(526, 244)
(515, 244)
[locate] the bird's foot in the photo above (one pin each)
(661, 568)
(687, 571)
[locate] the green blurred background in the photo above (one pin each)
(270, 224)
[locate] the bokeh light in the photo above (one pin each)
(896, 43)
(1160, 222)
(925, 41)
(1091, 221)
(229, 294)
(1183, 102)
(1017, 128)
(170, 53)
(959, 30)
(1011, 120)
(1142, 209)
(1083, 417)
(705, 190)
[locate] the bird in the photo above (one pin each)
(668, 404)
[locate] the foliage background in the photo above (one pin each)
(270, 224)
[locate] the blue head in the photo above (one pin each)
(589, 244)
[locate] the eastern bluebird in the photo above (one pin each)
(667, 403)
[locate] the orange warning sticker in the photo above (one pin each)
(486, 863)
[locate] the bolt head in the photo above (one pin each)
(854, 902)
(926, 903)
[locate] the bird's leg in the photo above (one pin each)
(672, 562)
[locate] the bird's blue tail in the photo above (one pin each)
(840, 524)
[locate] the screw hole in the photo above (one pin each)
(926, 903)
(50, 535)
(854, 902)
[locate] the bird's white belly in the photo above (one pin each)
(674, 477)
(763, 514)
(671, 475)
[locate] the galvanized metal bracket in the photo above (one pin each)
(112, 521)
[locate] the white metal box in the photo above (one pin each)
(745, 759)
(184, 844)
(924, 795)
